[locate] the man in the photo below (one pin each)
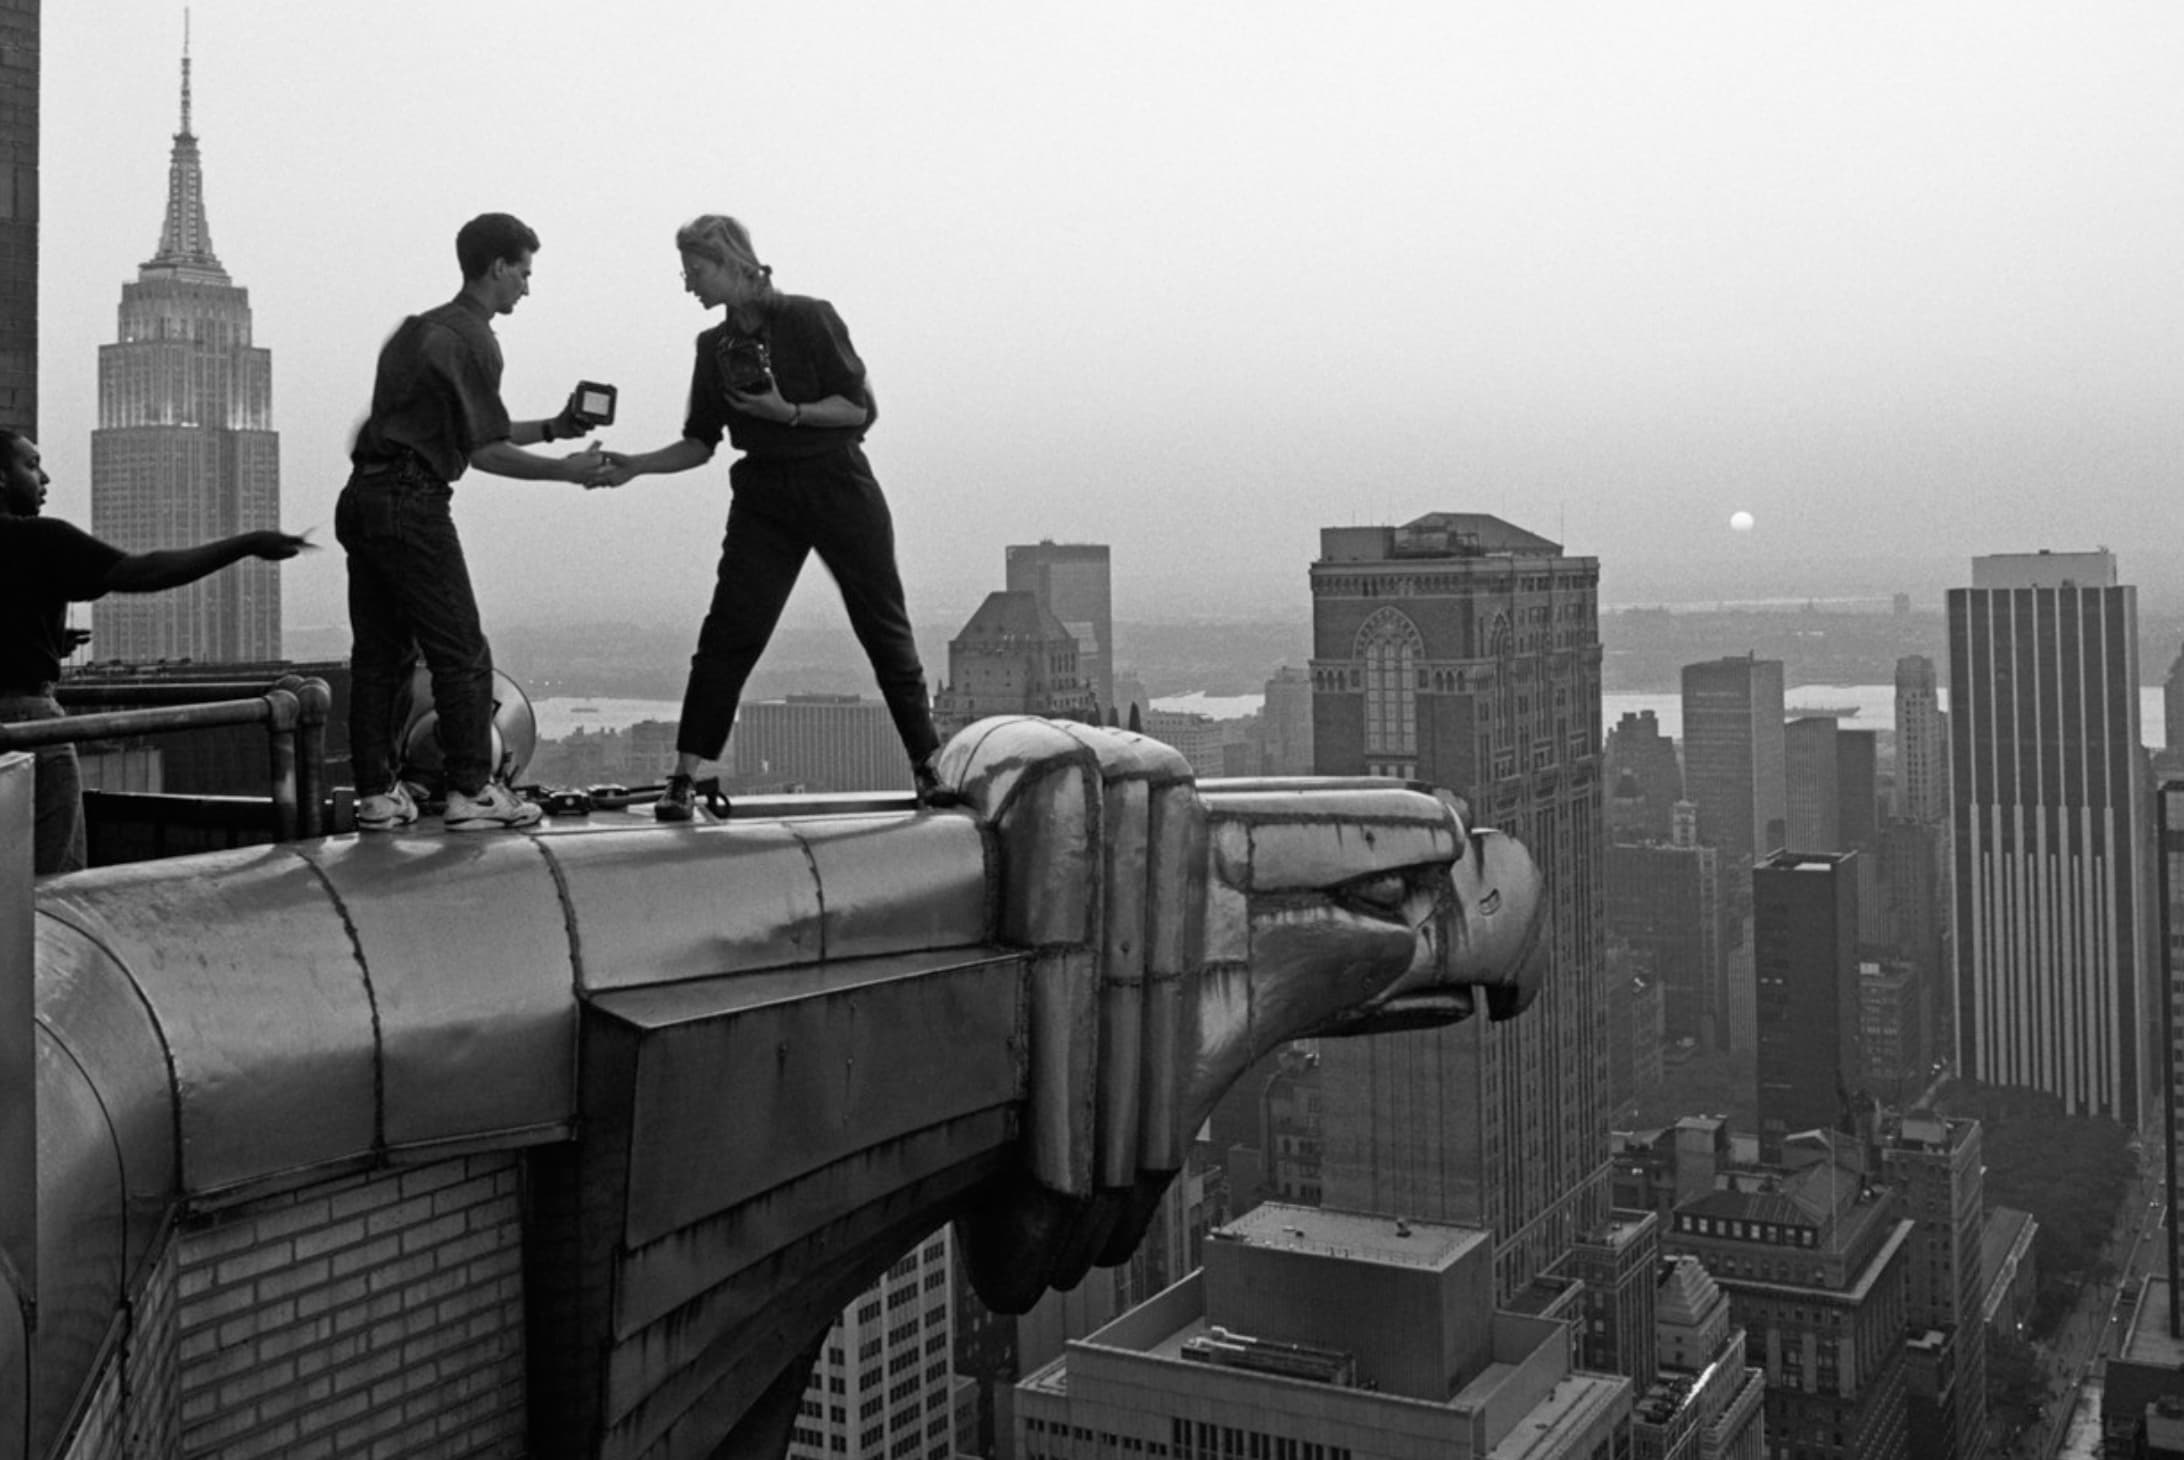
(436, 410)
(45, 565)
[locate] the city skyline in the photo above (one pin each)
(1625, 276)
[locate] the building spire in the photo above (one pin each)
(185, 71)
(185, 239)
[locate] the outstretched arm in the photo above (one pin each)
(173, 567)
(682, 456)
(506, 459)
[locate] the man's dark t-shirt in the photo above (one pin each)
(812, 359)
(437, 394)
(45, 565)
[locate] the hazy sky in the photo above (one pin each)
(1198, 279)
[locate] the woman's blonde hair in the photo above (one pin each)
(722, 239)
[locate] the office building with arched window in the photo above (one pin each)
(1463, 652)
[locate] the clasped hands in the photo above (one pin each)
(594, 466)
(598, 467)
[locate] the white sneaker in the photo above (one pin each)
(493, 809)
(387, 810)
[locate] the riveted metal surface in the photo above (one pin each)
(893, 884)
(14, 1370)
(659, 1277)
(1063, 1027)
(1048, 868)
(90, 1009)
(1176, 879)
(1480, 935)
(251, 975)
(1125, 827)
(992, 761)
(79, 1240)
(1176, 887)
(672, 902)
(1228, 904)
(1223, 1018)
(745, 1083)
(1307, 966)
(1128, 755)
(1300, 841)
(18, 1047)
(467, 948)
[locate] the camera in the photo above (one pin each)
(592, 404)
(746, 365)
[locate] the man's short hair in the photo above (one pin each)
(492, 236)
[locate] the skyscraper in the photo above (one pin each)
(1074, 582)
(1667, 902)
(1935, 1163)
(1637, 748)
(1812, 786)
(825, 742)
(1012, 657)
(1805, 963)
(1857, 780)
(882, 1385)
(1922, 743)
(2169, 824)
(2053, 971)
(1285, 728)
(2172, 706)
(1465, 652)
(185, 449)
(19, 219)
(1735, 755)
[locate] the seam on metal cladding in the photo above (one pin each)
(818, 884)
(371, 1002)
(989, 871)
(109, 1356)
(560, 875)
(577, 1037)
(151, 1017)
(1220, 812)
(1081, 757)
(113, 1140)
(1097, 854)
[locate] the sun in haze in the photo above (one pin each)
(1740, 522)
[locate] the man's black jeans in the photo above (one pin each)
(783, 511)
(409, 591)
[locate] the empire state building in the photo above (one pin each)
(185, 451)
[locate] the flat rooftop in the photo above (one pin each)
(1354, 1236)
(1619, 1230)
(2146, 1338)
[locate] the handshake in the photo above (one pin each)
(590, 405)
(595, 466)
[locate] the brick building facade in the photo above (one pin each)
(1463, 652)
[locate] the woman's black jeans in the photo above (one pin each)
(784, 510)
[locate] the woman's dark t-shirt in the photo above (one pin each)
(812, 359)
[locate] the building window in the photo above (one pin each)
(1391, 648)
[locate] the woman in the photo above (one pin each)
(778, 375)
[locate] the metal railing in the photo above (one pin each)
(294, 711)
